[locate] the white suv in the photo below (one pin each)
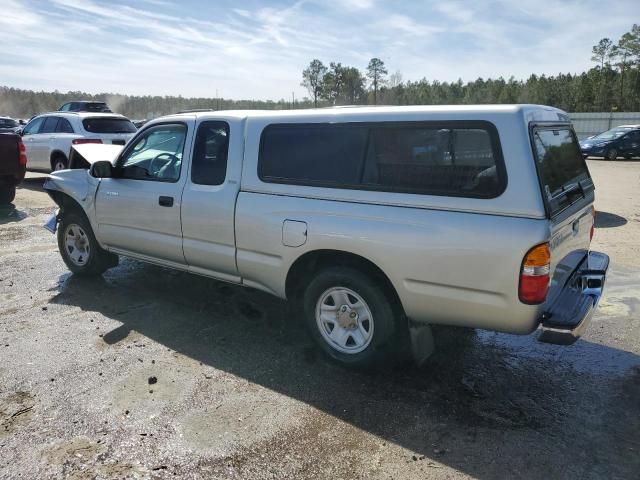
(48, 137)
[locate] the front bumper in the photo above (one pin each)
(570, 314)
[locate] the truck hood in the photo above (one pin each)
(95, 152)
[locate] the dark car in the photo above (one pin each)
(13, 165)
(9, 125)
(85, 106)
(622, 141)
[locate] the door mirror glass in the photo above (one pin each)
(101, 169)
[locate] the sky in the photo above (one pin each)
(258, 49)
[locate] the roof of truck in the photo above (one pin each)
(373, 110)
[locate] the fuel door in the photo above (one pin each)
(294, 233)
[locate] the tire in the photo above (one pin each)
(79, 248)
(612, 154)
(59, 162)
(369, 338)
(7, 194)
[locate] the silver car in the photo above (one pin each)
(377, 222)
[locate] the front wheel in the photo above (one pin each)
(612, 154)
(353, 318)
(79, 248)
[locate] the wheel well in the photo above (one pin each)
(311, 262)
(57, 154)
(65, 202)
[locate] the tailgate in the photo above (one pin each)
(568, 194)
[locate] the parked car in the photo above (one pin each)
(13, 164)
(622, 141)
(377, 222)
(49, 137)
(85, 106)
(9, 125)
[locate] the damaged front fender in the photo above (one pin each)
(71, 189)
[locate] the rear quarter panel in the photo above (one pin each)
(452, 268)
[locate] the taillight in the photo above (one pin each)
(535, 275)
(80, 141)
(23, 153)
(593, 224)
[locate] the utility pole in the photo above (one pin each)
(217, 100)
(293, 100)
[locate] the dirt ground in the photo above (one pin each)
(150, 373)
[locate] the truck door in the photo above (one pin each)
(35, 143)
(138, 211)
(209, 200)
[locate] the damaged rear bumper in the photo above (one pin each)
(570, 314)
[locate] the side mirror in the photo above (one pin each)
(101, 169)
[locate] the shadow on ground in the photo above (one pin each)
(9, 214)
(33, 183)
(609, 220)
(488, 405)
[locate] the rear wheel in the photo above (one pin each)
(79, 248)
(353, 318)
(7, 193)
(58, 162)
(612, 154)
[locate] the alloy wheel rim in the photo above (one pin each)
(344, 320)
(76, 244)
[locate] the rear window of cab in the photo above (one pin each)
(451, 158)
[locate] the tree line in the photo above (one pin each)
(612, 84)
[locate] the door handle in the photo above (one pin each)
(576, 226)
(165, 201)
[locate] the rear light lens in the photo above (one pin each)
(23, 154)
(593, 225)
(80, 141)
(535, 275)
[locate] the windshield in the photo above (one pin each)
(8, 123)
(96, 107)
(108, 125)
(560, 164)
(611, 134)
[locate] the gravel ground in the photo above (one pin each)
(150, 373)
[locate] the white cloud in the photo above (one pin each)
(258, 50)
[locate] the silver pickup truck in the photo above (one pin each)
(376, 222)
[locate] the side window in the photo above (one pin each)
(64, 126)
(453, 158)
(33, 126)
(439, 161)
(209, 164)
(312, 154)
(65, 107)
(49, 125)
(155, 155)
